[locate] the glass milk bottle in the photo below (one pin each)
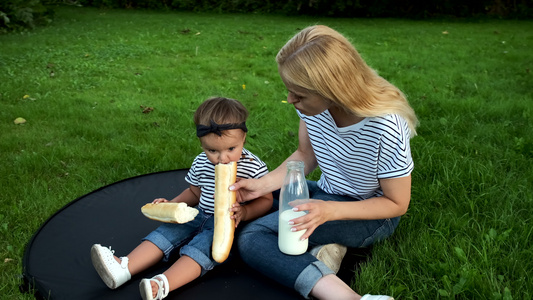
(293, 192)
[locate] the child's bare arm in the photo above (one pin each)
(252, 209)
(191, 196)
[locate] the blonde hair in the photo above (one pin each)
(321, 60)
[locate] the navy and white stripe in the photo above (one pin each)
(202, 175)
(353, 158)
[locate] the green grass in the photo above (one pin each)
(467, 232)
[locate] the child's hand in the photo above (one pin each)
(159, 200)
(239, 213)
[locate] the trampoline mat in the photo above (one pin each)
(57, 262)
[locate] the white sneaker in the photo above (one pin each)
(376, 297)
(331, 255)
(113, 274)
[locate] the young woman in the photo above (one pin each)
(356, 127)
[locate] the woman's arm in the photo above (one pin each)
(252, 209)
(304, 153)
(253, 188)
(393, 203)
(258, 207)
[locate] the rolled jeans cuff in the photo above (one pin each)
(199, 257)
(310, 276)
(156, 238)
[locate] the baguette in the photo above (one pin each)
(169, 212)
(225, 175)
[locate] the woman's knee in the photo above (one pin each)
(252, 234)
(245, 234)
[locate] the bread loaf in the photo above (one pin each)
(225, 175)
(169, 212)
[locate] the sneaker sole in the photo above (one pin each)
(146, 289)
(101, 269)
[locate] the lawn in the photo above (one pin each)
(109, 94)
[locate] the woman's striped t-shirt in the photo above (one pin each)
(353, 158)
(202, 175)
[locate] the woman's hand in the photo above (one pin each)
(319, 212)
(159, 200)
(246, 189)
(239, 213)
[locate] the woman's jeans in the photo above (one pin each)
(258, 244)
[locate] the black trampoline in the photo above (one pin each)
(57, 262)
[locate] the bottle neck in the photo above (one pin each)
(295, 165)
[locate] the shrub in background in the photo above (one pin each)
(19, 14)
(23, 14)
(149, 4)
(417, 9)
(339, 8)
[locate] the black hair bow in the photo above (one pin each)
(217, 129)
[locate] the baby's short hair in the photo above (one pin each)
(220, 111)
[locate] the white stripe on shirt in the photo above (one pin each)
(353, 158)
(202, 175)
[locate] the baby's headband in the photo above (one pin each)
(217, 129)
